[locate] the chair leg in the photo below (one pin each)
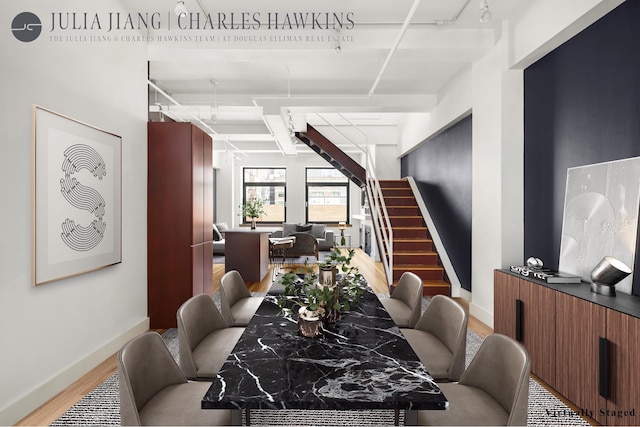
(236, 417)
(410, 418)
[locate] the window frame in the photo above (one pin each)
(282, 184)
(345, 184)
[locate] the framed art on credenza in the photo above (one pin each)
(600, 218)
(77, 190)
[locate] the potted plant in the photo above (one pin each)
(336, 260)
(302, 297)
(319, 299)
(253, 209)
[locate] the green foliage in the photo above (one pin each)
(253, 208)
(338, 258)
(306, 292)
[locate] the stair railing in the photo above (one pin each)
(377, 206)
(380, 219)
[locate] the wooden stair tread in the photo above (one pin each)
(421, 267)
(426, 283)
(414, 253)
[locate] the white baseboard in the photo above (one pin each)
(458, 292)
(26, 404)
(481, 314)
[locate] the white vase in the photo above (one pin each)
(309, 323)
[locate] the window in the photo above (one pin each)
(327, 195)
(269, 185)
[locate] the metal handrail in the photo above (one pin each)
(381, 221)
(377, 206)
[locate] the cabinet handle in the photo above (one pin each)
(518, 320)
(603, 368)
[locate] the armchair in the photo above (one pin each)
(324, 236)
(306, 244)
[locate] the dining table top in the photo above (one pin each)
(360, 362)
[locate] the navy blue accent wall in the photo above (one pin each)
(582, 106)
(442, 169)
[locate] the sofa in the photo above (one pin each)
(323, 236)
(218, 237)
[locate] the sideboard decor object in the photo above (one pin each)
(606, 274)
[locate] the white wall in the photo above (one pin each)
(497, 215)
(549, 23)
(56, 332)
(454, 103)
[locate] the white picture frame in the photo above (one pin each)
(77, 197)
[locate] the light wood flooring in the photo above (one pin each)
(372, 271)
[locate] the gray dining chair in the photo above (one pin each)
(236, 302)
(439, 338)
(494, 390)
(405, 303)
(205, 340)
(154, 391)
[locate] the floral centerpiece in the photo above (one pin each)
(253, 209)
(320, 301)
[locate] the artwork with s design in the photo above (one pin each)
(76, 158)
(78, 197)
(79, 189)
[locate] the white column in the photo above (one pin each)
(498, 141)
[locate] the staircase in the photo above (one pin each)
(334, 155)
(413, 249)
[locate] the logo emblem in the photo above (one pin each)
(26, 27)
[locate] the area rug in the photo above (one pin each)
(102, 406)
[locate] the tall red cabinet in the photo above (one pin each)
(179, 218)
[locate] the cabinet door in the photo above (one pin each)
(207, 164)
(579, 326)
(505, 294)
(538, 329)
(197, 185)
(623, 333)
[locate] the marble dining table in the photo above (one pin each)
(360, 362)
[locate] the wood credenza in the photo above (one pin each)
(179, 218)
(585, 346)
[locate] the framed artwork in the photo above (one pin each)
(601, 217)
(77, 197)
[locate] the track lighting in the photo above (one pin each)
(180, 8)
(485, 13)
